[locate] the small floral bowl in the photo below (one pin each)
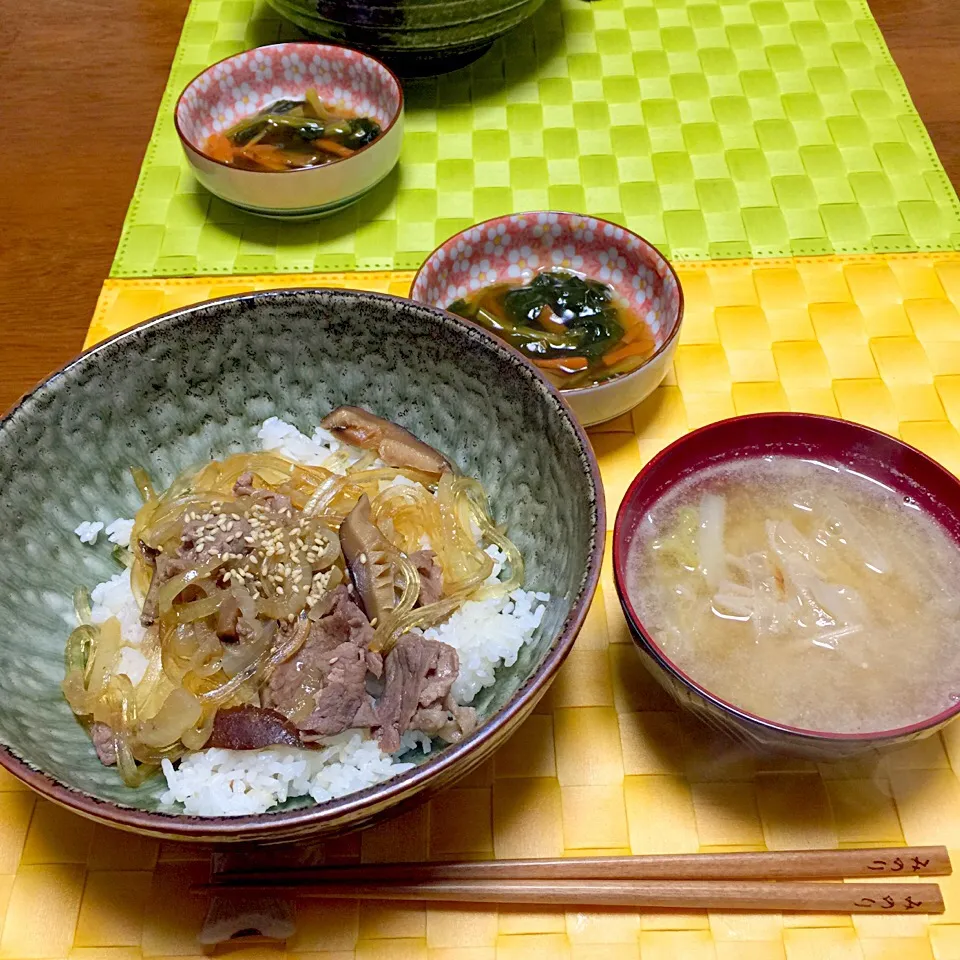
(518, 246)
(243, 84)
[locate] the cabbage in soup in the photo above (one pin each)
(804, 593)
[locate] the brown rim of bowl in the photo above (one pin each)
(200, 828)
(267, 46)
(619, 561)
(620, 377)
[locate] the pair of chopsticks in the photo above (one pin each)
(752, 882)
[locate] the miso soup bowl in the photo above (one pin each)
(241, 85)
(936, 491)
(517, 247)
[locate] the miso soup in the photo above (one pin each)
(804, 593)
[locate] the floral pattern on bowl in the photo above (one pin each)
(241, 85)
(516, 247)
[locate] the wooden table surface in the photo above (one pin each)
(80, 81)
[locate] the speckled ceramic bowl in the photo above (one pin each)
(240, 85)
(877, 455)
(416, 37)
(195, 384)
(516, 247)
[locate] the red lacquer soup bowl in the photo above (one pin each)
(877, 455)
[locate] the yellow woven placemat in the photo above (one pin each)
(607, 763)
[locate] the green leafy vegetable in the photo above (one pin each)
(284, 123)
(584, 307)
(279, 127)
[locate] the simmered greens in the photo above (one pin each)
(572, 327)
(292, 134)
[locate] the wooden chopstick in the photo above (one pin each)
(780, 865)
(742, 895)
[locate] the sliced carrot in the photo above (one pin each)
(219, 147)
(331, 146)
(550, 321)
(564, 364)
(267, 155)
(627, 350)
(635, 331)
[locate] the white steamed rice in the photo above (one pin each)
(118, 531)
(485, 633)
(216, 783)
(88, 531)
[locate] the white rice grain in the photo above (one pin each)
(278, 436)
(119, 531)
(88, 531)
(114, 598)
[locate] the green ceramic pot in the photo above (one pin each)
(415, 37)
(195, 384)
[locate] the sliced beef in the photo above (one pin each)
(444, 668)
(333, 662)
(447, 720)
(102, 737)
(416, 693)
(165, 568)
(244, 487)
(406, 665)
(202, 540)
(228, 619)
(431, 576)
(375, 663)
(367, 715)
(250, 728)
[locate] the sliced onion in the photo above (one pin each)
(82, 605)
(199, 734)
(251, 672)
(196, 576)
(179, 713)
(285, 651)
(142, 479)
(331, 551)
(280, 608)
(198, 609)
(238, 656)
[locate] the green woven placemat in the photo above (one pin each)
(715, 128)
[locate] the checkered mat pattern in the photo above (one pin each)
(607, 764)
(714, 128)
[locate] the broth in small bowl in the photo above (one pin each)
(596, 308)
(292, 131)
(792, 579)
